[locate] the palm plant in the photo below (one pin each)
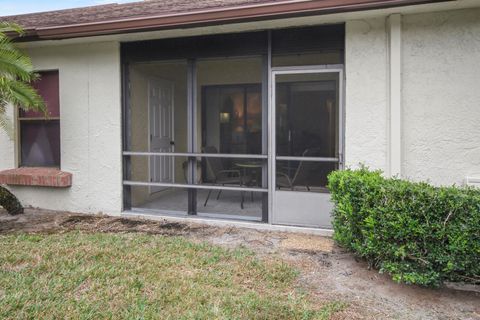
(16, 76)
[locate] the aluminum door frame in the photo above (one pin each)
(274, 71)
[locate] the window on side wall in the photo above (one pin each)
(40, 135)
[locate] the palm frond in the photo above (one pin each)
(16, 75)
(10, 27)
(14, 63)
(21, 94)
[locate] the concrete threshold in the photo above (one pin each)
(228, 223)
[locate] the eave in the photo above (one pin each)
(277, 10)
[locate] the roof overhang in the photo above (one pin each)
(277, 10)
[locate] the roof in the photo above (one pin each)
(116, 11)
(161, 14)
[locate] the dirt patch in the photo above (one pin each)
(329, 272)
(307, 243)
(102, 223)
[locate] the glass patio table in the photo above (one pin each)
(250, 179)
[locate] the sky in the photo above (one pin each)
(12, 7)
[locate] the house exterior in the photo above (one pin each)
(239, 109)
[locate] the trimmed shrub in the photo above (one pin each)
(418, 233)
(9, 202)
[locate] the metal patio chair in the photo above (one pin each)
(220, 174)
(302, 172)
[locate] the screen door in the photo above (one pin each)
(307, 143)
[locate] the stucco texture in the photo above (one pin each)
(90, 112)
(440, 70)
(7, 146)
(440, 96)
(366, 93)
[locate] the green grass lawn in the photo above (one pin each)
(135, 276)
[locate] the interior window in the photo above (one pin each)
(231, 104)
(233, 116)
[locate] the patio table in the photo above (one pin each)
(246, 166)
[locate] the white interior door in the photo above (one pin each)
(161, 131)
(307, 143)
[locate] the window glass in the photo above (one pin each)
(40, 135)
(47, 86)
(40, 145)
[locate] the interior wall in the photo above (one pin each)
(139, 116)
(440, 96)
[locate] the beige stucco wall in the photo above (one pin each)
(440, 72)
(7, 146)
(90, 129)
(366, 93)
(441, 96)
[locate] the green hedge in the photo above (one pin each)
(417, 233)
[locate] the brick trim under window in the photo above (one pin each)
(45, 177)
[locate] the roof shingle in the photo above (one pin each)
(109, 12)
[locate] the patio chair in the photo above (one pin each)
(220, 174)
(302, 173)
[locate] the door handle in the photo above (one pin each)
(172, 143)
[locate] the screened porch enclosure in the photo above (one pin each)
(198, 123)
(228, 122)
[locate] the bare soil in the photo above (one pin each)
(326, 270)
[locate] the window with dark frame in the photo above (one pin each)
(39, 135)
